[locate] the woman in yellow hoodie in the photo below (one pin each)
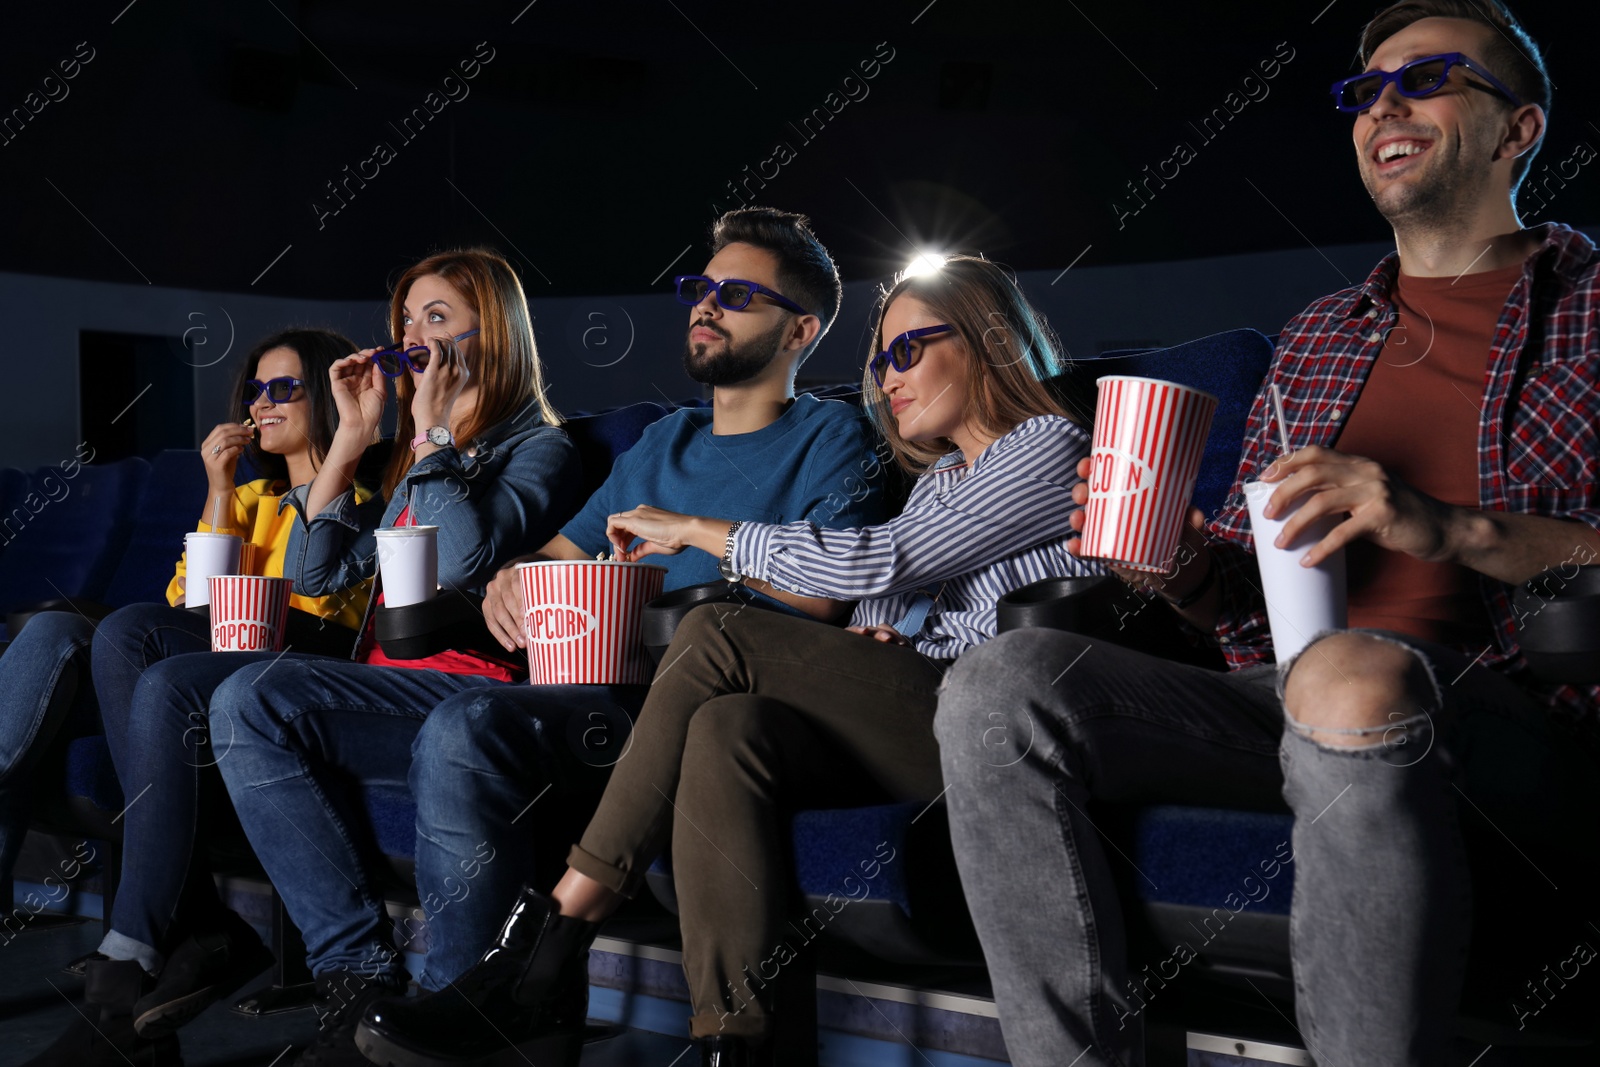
(64, 671)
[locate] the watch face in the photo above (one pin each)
(439, 435)
(727, 572)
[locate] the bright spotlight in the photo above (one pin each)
(925, 263)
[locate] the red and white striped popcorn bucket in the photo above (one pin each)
(1149, 437)
(582, 621)
(249, 614)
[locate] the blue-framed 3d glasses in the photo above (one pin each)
(1416, 79)
(904, 351)
(395, 361)
(278, 390)
(734, 294)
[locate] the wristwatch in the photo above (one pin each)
(438, 435)
(725, 564)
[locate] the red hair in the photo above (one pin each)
(504, 361)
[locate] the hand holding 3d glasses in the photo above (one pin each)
(439, 380)
(359, 394)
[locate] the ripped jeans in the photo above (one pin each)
(1461, 822)
(1395, 841)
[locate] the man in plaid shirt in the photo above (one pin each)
(1445, 415)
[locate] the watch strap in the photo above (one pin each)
(726, 567)
(427, 435)
(916, 616)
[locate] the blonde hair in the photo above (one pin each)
(504, 362)
(1011, 354)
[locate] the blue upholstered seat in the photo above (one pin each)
(1229, 366)
(67, 535)
(1198, 857)
(1188, 856)
(167, 511)
(604, 436)
(13, 488)
(393, 816)
(90, 774)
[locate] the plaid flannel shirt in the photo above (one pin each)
(1538, 437)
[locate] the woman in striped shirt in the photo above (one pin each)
(755, 713)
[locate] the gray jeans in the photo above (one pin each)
(1035, 725)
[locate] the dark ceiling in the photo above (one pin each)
(197, 140)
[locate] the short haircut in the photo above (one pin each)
(806, 273)
(1511, 55)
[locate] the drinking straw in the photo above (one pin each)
(1283, 427)
(216, 513)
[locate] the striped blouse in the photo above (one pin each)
(969, 534)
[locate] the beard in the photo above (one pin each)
(1441, 197)
(732, 363)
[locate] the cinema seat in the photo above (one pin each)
(604, 436)
(67, 535)
(13, 488)
(168, 509)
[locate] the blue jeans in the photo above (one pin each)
(305, 743)
(166, 751)
(63, 670)
(44, 683)
(127, 643)
(505, 781)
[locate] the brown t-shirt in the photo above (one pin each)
(1418, 415)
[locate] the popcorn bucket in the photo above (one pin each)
(582, 620)
(249, 614)
(1149, 437)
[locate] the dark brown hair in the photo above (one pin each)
(806, 273)
(1011, 352)
(504, 362)
(1511, 55)
(317, 349)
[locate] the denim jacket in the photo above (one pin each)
(505, 494)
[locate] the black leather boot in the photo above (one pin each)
(102, 1035)
(524, 1002)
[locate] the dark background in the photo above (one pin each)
(600, 139)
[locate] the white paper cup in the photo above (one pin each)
(582, 620)
(248, 613)
(1301, 601)
(206, 554)
(1149, 438)
(408, 556)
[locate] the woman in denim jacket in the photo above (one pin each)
(478, 454)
